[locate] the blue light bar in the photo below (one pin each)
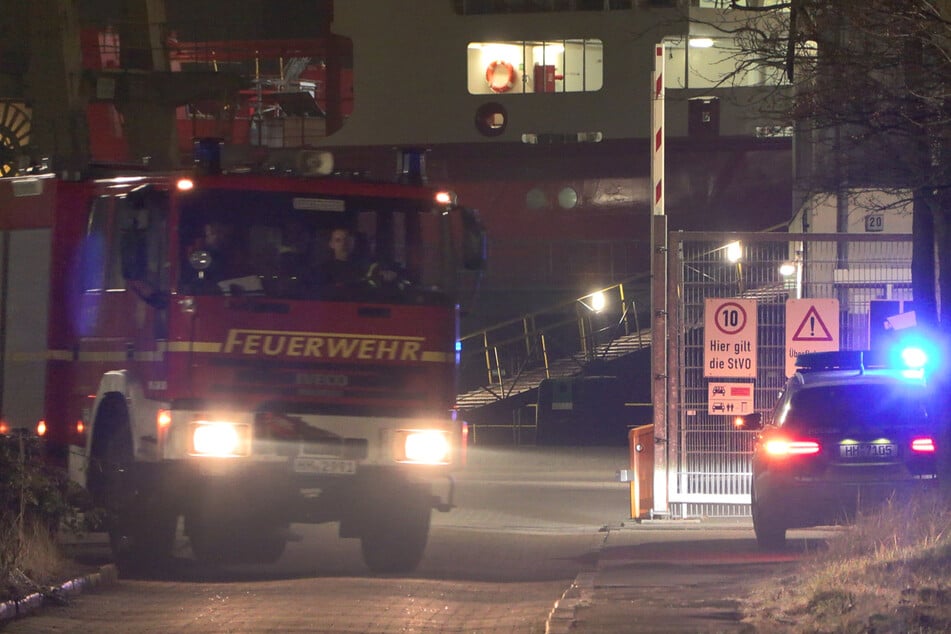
(905, 357)
(833, 360)
(206, 154)
(411, 166)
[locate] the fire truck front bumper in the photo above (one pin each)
(260, 489)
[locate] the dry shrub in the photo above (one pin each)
(919, 521)
(34, 506)
(889, 572)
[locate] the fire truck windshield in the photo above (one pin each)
(295, 246)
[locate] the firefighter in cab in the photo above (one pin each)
(217, 258)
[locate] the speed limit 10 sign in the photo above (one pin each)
(729, 338)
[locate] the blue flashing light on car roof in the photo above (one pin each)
(914, 360)
(914, 357)
(911, 358)
(917, 351)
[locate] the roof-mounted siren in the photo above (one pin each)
(206, 154)
(411, 166)
(315, 163)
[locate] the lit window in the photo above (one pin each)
(517, 67)
(715, 62)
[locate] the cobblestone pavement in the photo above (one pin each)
(472, 580)
(681, 577)
(304, 605)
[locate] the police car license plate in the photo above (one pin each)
(868, 450)
(307, 464)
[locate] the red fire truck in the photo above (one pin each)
(248, 400)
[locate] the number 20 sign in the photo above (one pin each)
(729, 338)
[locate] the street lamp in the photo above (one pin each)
(791, 270)
(734, 252)
(598, 301)
(595, 302)
(734, 255)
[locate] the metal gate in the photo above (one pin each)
(708, 461)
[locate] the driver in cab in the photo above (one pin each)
(217, 257)
(347, 267)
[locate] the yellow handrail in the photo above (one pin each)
(516, 347)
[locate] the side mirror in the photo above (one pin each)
(749, 422)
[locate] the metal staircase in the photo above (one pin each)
(562, 341)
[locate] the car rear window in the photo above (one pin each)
(842, 405)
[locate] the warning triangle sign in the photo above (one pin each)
(812, 328)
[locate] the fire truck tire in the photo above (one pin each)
(396, 540)
(141, 528)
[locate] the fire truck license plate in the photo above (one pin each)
(306, 464)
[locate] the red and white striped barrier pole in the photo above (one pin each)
(657, 127)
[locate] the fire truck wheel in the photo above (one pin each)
(141, 529)
(395, 541)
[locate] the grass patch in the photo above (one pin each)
(37, 564)
(890, 572)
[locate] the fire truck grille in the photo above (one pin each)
(292, 435)
(321, 383)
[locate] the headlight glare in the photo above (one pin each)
(428, 446)
(219, 439)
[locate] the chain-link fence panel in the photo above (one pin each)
(709, 460)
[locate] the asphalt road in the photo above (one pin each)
(530, 525)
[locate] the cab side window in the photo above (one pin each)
(141, 244)
(96, 255)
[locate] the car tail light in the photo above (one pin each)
(784, 447)
(923, 445)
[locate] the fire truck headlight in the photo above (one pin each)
(429, 446)
(219, 439)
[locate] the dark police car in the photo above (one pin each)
(849, 430)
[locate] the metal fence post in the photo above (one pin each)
(659, 369)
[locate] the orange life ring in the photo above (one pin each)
(500, 76)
